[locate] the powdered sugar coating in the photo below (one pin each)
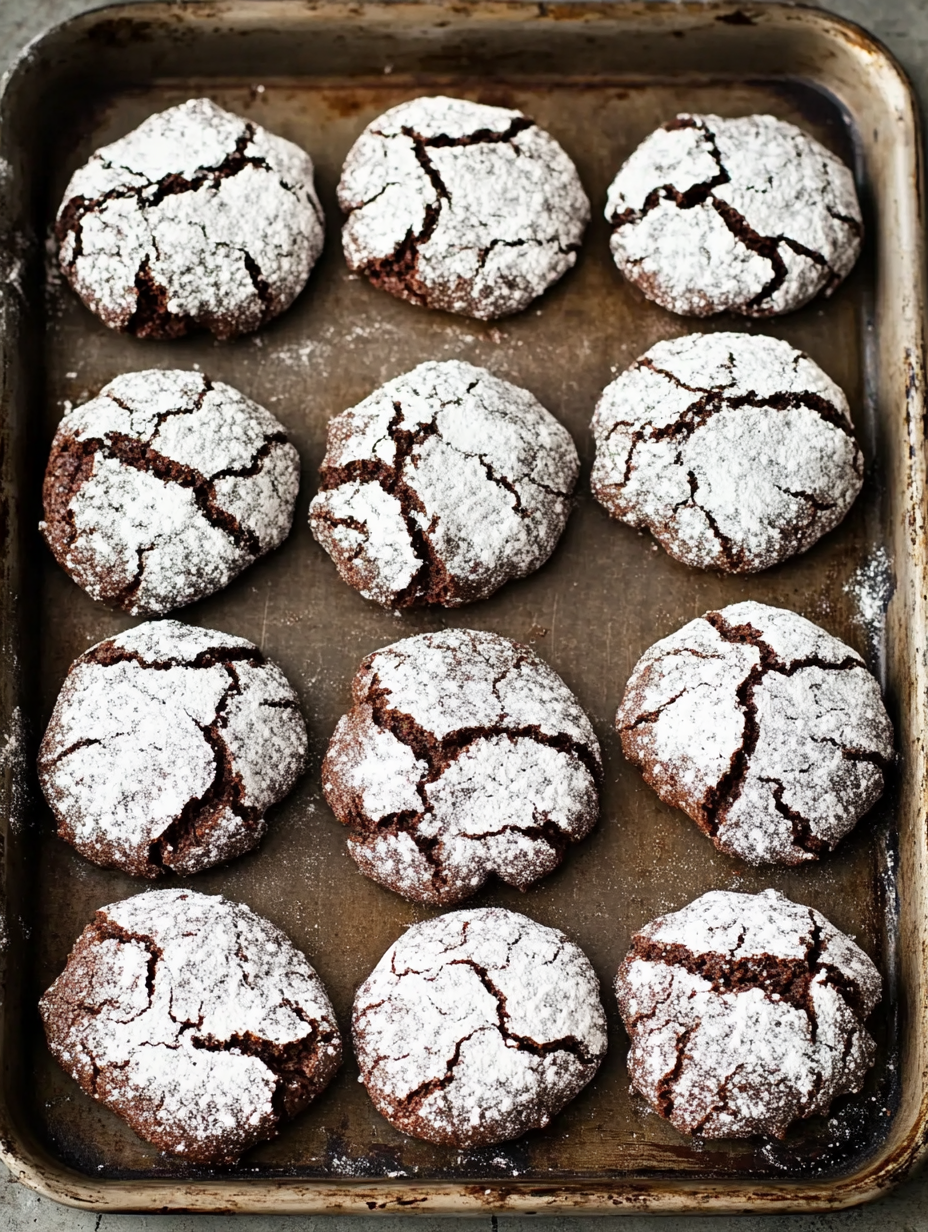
(163, 488)
(745, 1013)
(197, 218)
(766, 730)
(442, 485)
(735, 450)
(464, 756)
(195, 1020)
(460, 206)
(478, 1026)
(166, 747)
(748, 215)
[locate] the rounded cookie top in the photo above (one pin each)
(195, 1020)
(464, 756)
(745, 1013)
(748, 215)
(196, 219)
(442, 485)
(460, 206)
(164, 487)
(766, 730)
(478, 1026)
(166, 747)
(736, 451)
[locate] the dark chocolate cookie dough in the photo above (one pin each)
(746, 1012)
(748, 215)
(163, 488)
(442, 485)
(166, 747)
(464, 756)
(769, 732)
(196, 219)
(193, 1019)
(460, 206)
(735, 451)
(478, 1026)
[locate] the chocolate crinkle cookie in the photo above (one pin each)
(747, 215)
(456, 205)
(766, 730)
(164, 487)
(441, 486)
(735, 451)
(746, 1012)
(478, 1026)
(195, 1020)
(196, 219)
(166, 747)
(464, 756)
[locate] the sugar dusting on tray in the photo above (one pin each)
(871, 586)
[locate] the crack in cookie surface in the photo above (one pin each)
(150, 508)
(167, 746)
(217, 222)
(477, 1026)
(441, 486)
(204, 1049)
(756, 217)
(436, 804)
(736, 451)
(768, 732)
(745, 1013)
(437, 190)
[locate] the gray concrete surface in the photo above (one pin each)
(903, 26)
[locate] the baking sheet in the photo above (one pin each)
(606, 595)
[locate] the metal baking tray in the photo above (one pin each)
(599, 77)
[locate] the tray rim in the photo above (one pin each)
(38, 1170)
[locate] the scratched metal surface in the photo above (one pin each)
(607, 593)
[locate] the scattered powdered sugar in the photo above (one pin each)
(735, 450)
(195, 1020)
(460, 206)
(164, 487)
(766, 730)
(442, 485)
(196, 218)
(746, 215)
(15, 763)
(745, 1013)
(465, 756)
(477, 1026)
(871, 588)
(166, 747)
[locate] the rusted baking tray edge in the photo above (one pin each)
(684, 40)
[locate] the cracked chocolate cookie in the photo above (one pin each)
(442, 485)
(746, 1012)
(459, 206)
(735, 451)
(766, 730)
(163, 488)
(748, 215)
(196, 219)
(464, 756)
(195, 1020)
(478, 1026)
(166, 747)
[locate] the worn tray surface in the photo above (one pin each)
(605, 596)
